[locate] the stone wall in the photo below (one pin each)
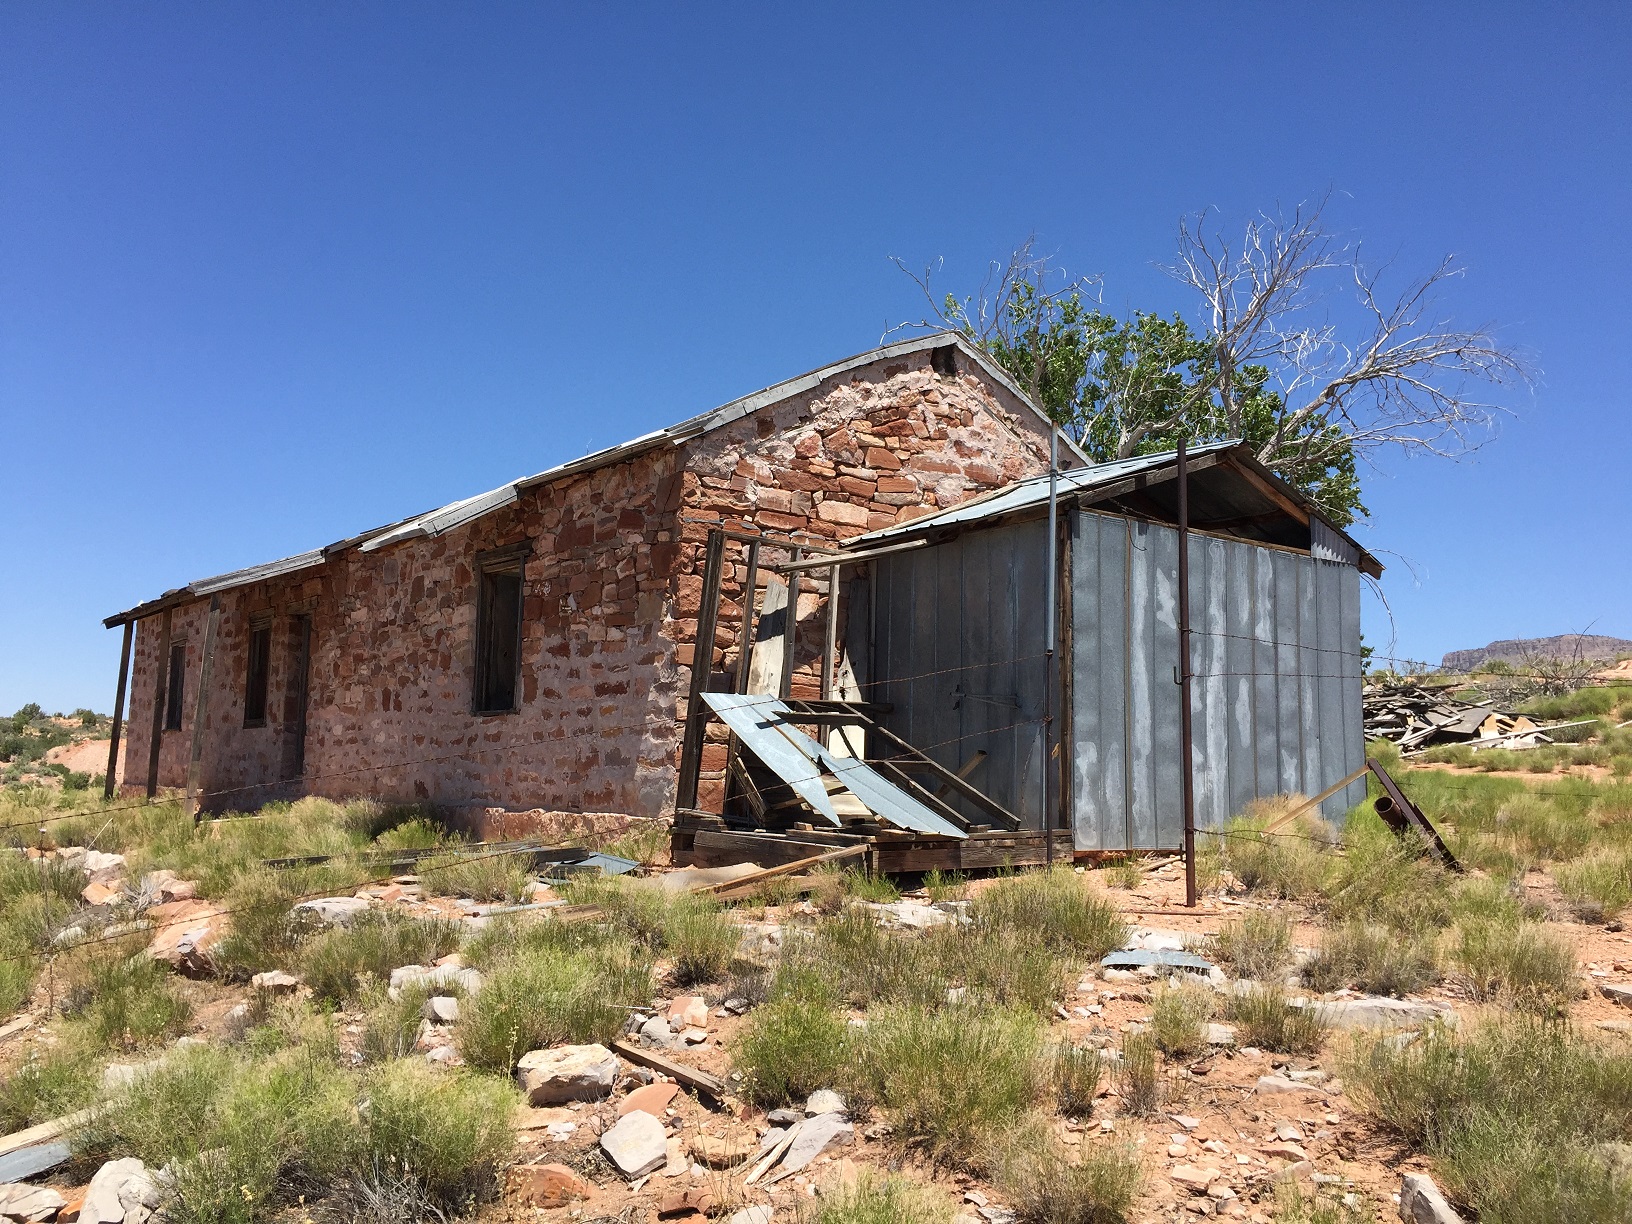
(611, 590)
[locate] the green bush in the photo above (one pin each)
(1598, 885)
(1178, 1013)
(1045, 1186)
(260, 935)
(45, 1084)
(451, 1133)
(481, 877)
(1374, 960)
(1256, 945)
(1263, 1018)
(1138, 1077)
(948, 1081)
(121, 998)
(1055, 907)
(1511, 1113)
(1291, 866)
(700, 939)
(880, 1200)
(790, 1048)
(541, 995)
(1523, 963)
(336, 963)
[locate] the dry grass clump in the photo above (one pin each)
(945, 886)
(1075, 1072)
(888, 1199)
(1124, 873)
(337, 963)
(693, 930)
(1138, 1076)
(1511, 1113)
(47, 1083)
(947, 1080)
(790, 1048)
(1521, 963)
(1055, 907)
(1256, 945)
(1292, 866)
(481, 877)
(1373, 959)
(1293, 1206)
(119, 998)
(1598, 886)
(1044, 1185)
(1177, 1014)
(1264, 1018)
(645, 841)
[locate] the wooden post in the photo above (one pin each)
(790, 626)
(745, 648)
(702, 665)
(201, 710)
(1187, 782)
(161, 687)
(118, 711)
(830, 644)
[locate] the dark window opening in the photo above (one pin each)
(944, 360)
(498, 639)
(175, 686)
(260, 662)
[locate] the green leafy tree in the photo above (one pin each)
(1263, 364)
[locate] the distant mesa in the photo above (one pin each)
(1584, 646)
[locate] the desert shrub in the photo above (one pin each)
(1256, 945)
(1291, 866)
(1511, 1112)
(645, 841)
(1045, 1186)
(880, 1200)
(1055, 907)
(260, 935)
(870, 886)
(47, 1083)
(1598, 885)
(1522, 963)
(1293, 1206)
(946, 1081)
(1373, 959)
(481, 877)
(542, 995)
(335, 963)
(1387, 880)
(121, 998)
(1177, 1015)
(945, 886)
(450, 1133)
(1075, 1072)
(1545, 828)
(415, 833)
(699, 938)
(391, 1026)
(1138, 1077)
(1124, 873)
(1001, 966)
(790, 1048)
(1264, 1018)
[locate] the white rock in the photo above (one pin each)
(655, 1032)
(452, 975)
(824, 1100)
(759, 1213)
(441, 1009)
(332, 911)
(1376, 1012)
(1220, 1034)
(908, 915)
(122, 1190)
(275, 981)
(1268, 1085)
(638, 1144)
(567, 1073)
(814, 1137)
(1152, 939)
(1422, 1203)
(759, 941)
(21, 1201)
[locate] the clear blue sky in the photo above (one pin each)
(270, 274)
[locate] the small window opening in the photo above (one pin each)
(944, 360)
(174, 689)
(260, 662)
(498, 638)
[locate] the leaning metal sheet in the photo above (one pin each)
(755, 720)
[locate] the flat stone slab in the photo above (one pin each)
(814, 1137)
(567, 1073)
(21, 1201)
(652, 1099)
(637, 1144)
(121, 1191)
(1377, 1012)
(1269, 1085)
(332, 911)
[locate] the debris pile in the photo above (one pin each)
(1418, 718)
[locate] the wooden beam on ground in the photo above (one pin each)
(691, 1077)
(1280, 822)
(45, 1132)
(727, 890)
(201, 710)
(161, 693)
(702, 666)
(111, 781)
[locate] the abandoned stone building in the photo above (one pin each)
(530, 647)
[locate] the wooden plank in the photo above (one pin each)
(1280, 822)
(830, 648)
(855, 558)
(111, 780)
(691, 1077)
(790, 630)
(201, 710)
(45, 1131)
(161, 691)
(746, 884)
(702, 665)
(1271, 493)
(745, 642)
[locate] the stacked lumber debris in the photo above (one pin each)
(1418, 718)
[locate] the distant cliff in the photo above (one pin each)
(1564, 646)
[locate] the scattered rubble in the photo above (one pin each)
(1418, 718)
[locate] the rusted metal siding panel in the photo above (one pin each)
(957, 653)
(1277, 692)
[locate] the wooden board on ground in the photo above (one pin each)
(691, 1077)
